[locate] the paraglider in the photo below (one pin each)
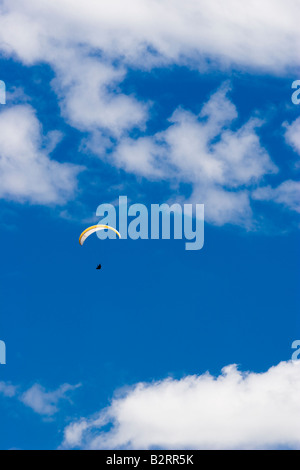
(95, 228)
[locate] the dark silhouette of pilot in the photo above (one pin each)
(99, 267)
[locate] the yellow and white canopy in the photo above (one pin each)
(95, 228)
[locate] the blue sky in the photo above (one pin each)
(103, 109)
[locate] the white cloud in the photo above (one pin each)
(232, 411)
(89, 96)
(286, 194)
(202, 150)
(37, 398)
(26, 171)
(292, 135)
(7, 390)
(258, 33)
(223, 207)
(43, 402)
(90, 45)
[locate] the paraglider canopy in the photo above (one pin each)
(95, 228)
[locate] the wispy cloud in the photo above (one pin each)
(7, 389)
(43, 402)
(287, 194)
(292, 136)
